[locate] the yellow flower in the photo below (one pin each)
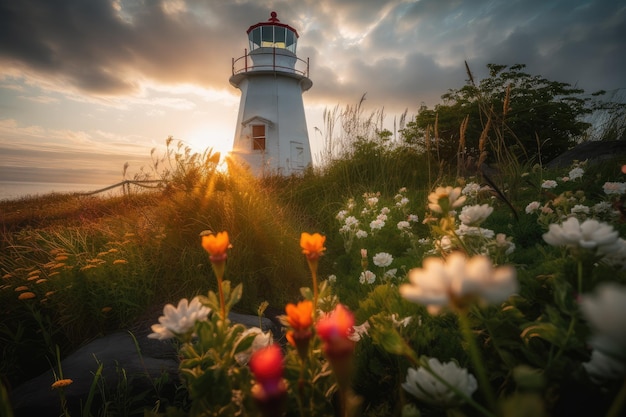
(61, 383)
(216, 245)
(26, 295)
(312, 245)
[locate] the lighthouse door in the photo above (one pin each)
(297, 155)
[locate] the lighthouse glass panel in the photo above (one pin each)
(290, 43)
(267, 36)
(255, 39)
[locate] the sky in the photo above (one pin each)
(87, 86)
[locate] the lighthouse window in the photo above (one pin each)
(291, 41)
(255, 39)
(258, 137)
(279, 37)
(268, 36)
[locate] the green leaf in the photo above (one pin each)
(243, 343)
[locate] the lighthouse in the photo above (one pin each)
(271, 136)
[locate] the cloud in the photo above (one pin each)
(109, 48)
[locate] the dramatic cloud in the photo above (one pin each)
(150, 68)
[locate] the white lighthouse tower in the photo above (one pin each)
(271, 135)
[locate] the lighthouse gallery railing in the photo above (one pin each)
(245, 64)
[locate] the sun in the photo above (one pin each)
(212, 139)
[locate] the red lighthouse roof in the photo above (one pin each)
(273, 21)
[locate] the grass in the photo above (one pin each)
(97, 265)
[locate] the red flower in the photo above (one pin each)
(337, 324)
(267, 366)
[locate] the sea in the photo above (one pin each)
(13, 190)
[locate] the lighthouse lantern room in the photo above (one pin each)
(271, 136)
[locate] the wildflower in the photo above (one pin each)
(475, 215)
(312, 245)
(603, 368)
(457, 281)
(413, 218)
(26, 295)
(359, 331)
(444, 199)
(465, 230)
(372, 201)
(403, 225)
(617, 188)
(361, 234)
(21, 288)
(341, 216)
(270, 390)
(261, 340)
(403, 201)
(377, 224)
(549, 184)
(591, 234)
(120, 262)
(580, 209)
(505, 243)
(367, 277)
(216, 245)
(445, 243)
(60, 258)
(576, 173)
(300, 319)
(391, 273)
(382, 259)
(382, 217)
(385, 211)
(179, 320)
(41, 281)
(61, 383)
(351, 221)
(425, 387)
(335, 330)
(400, 322)
(605, 311)
(332, 279)
(471, 189)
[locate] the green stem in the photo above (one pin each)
(618, 402)
(580, 276)
(476, 358)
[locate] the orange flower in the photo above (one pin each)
(312, 245)
(216, 245)
(300, 317)
(26, 295)
(61, 383)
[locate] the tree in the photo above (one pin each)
(527, 117)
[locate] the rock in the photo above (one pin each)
(594, 152)
(141, 359)
(115, 352)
